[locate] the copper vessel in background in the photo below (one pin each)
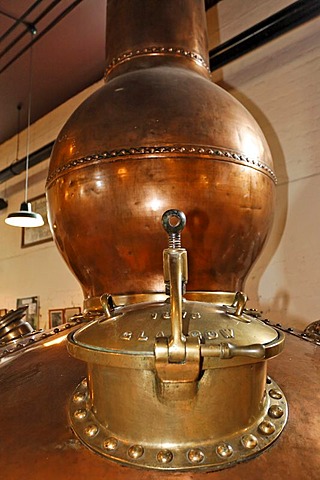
(159, 135)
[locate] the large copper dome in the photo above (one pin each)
(159, 135)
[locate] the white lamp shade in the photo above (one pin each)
(25, 217)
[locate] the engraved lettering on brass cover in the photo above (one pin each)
(183, 358)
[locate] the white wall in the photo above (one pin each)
(36, 270)
(279, 84)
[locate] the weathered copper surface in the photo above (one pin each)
(159, 135)
(36, 440)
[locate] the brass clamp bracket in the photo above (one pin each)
(238, 307)
(177, 358)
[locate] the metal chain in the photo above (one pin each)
(292, 331)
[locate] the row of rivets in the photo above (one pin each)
(155, 50)
(224, 450)
(195, 456)
(155, 150)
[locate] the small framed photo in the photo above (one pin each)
(34, 236)
(56, 317)
(70, 312)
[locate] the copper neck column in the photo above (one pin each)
(140, 31)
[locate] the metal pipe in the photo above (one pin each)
(272, 27)
(34, 159)
(40, 35)
(19, 20)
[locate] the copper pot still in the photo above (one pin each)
(177, 384)
(159, 135)
(176, 365)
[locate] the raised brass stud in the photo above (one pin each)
(91, 430)
(80, 414)
(84, 382)
(224, 450)
(266, 427)
(275, 411)
(276, 394)
(249, 441)
(79, 397)
(136, 451)
(195, 455)
(110, 444)
(164, 456)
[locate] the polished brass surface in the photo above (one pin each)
(166, 363)
(158, 134)
(239, 303)
(211, 454)
(39, 384)
(128, 336)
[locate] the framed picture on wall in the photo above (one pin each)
(56, 317)
(34, 236)
(70, 312)
(32, 315)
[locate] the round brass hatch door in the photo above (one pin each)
(208, 455)
(127, 338)
(130, 412)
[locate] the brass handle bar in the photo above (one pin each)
(229, 350)
(175, 277)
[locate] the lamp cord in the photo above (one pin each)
(28, 127)
(19, 106)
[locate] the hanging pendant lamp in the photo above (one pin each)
(25, 217)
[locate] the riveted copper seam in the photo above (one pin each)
(203, 151)
(156, 51)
